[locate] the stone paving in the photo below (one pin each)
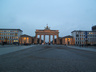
(49, 58)
(84, 48)
(12, 48)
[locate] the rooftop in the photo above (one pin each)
(12, 29)
(68, 36)
(82, 31)
(25, 35)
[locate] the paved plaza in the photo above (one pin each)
(47, 58)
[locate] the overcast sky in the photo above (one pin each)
(62, 15)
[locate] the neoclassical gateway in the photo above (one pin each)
(45, 32)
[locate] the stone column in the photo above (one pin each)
(44, 39)
(57, 39)
(20, 39)
(40, 39)
(26, 39)
(49, 39)
(53, 39)
(36, 39)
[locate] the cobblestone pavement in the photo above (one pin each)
(84, 48)
(12, 48)
(49, 58)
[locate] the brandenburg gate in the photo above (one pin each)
(44, 32)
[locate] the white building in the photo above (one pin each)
(84, 37)
(10, 35)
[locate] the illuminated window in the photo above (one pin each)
(24, 38)
(16, 37)
(82, 38)
(68, 39)
(15, 40)
(27, 38)
(16, 34)
(0, 33)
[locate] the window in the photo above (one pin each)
(15, 40)
(77, 35)
(15, 31)
(81, 32)
(0, 30)
(2, 34)
(16, 34)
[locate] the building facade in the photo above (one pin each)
(84, 37)
(25, 39)
(68, 40)
(10, 36)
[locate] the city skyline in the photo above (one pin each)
(62, 15)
